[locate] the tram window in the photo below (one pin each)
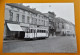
(44, 31)
(31, 31)
(27, 31)
(34, 31)
(40, 31)
(37, 30)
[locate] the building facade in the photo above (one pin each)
(52, 28)
(64, 27)
(59, 26)
(23, 19)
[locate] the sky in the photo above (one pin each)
(63, 10)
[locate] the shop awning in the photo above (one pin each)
(14, 27)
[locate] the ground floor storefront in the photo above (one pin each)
(13, 31)
(22, 30)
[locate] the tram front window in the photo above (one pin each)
(27, 31)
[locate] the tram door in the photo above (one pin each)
(27, 33)
(34, 33)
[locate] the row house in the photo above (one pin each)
(64, 27)
(52, 28)
(59, 26)
(21, 19)
(69, 29)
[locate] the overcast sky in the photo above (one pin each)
(63, 10)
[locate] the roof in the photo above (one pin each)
(58, 19)
(49, 15)
(25, 8)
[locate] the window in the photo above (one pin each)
(58, 25)
(27, 31)
(11, 15)
(17, 17)
(28, 18)
(32, 21)
(42, 31)
(36, 15)
(23, 18)
(38, 31)
(31, 31)
(35, 21)
(39, 19)
(62, 25)
(44, 22)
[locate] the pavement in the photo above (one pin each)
(58, 44)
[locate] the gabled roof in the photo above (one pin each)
(58, 19)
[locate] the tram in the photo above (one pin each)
(36, 33)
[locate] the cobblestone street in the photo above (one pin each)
(57, 44)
